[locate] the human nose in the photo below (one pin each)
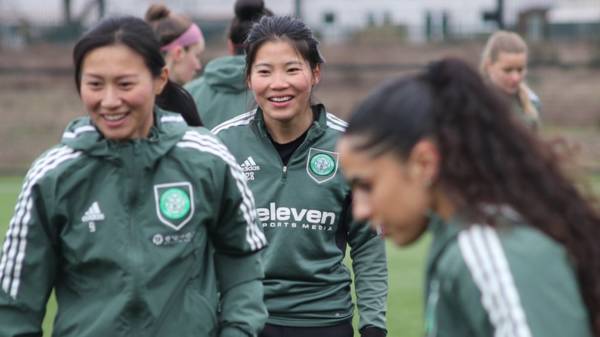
(197, 64)
(110, 98)
(516, 77)
(279, 82)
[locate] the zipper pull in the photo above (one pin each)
(285, 169)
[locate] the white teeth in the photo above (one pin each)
(113, 118)
(281, 99)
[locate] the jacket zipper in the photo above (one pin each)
(135, 255)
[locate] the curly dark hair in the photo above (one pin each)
(487, 157)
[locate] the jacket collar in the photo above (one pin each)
(316, 129)
(444, 232)
(82, 135)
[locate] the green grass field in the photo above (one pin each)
(406, 269)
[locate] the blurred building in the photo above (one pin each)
(579, 18)
(334, 20)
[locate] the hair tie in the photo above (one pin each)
(191, 36)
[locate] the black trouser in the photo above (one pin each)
(340, 330)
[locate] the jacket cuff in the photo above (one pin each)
(372, 331)
(232, 332)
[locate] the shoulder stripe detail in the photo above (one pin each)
(333, 118)
(242, 119)
(254, 236)
(485, 258)
(75, 133)
(13, 251)
(172, 119)
(336, 127)
(205, 143)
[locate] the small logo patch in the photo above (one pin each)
(174, 204)
(249, 167)
(322, 165)
(93, 215)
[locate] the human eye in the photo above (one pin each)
(93, 84)
(126, 85)
(263, 72)
(359, 185)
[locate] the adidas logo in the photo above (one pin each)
(93, 213)
(249, 165)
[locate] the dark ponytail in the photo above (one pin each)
(486, 157)
(175, 98)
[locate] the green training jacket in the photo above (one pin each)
(221, 92)
(511, 281)
(134, 238)
(305, 212)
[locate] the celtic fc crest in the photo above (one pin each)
(174, 204)
(321, 165)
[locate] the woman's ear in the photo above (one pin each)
(230, 47)
(161, 80)
(177, 53)
(486, 66)
(424, 161)
(316, 75)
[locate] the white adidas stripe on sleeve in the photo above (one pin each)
(14, 249)
(485, 259)
(242, 119)
(204, 143)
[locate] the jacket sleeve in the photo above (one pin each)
(369, 263)
(238, 241)
(524, 286)
(27, 265)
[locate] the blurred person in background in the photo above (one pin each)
(504, 65)
(182, 42)
(286, 147)
(441, 152)
(221, 92)
(136, 221)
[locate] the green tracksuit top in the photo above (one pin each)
(304, 209)
(221, 92)
(510, 281)
(134, 237)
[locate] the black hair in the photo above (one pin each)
(287, 28)
(486, 157)
(247, 12)
(139, 37)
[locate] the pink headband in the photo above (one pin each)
(191, 36)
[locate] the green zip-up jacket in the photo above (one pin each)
(511, 281)
(134, 237)
(304, 209)
(221, 92)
